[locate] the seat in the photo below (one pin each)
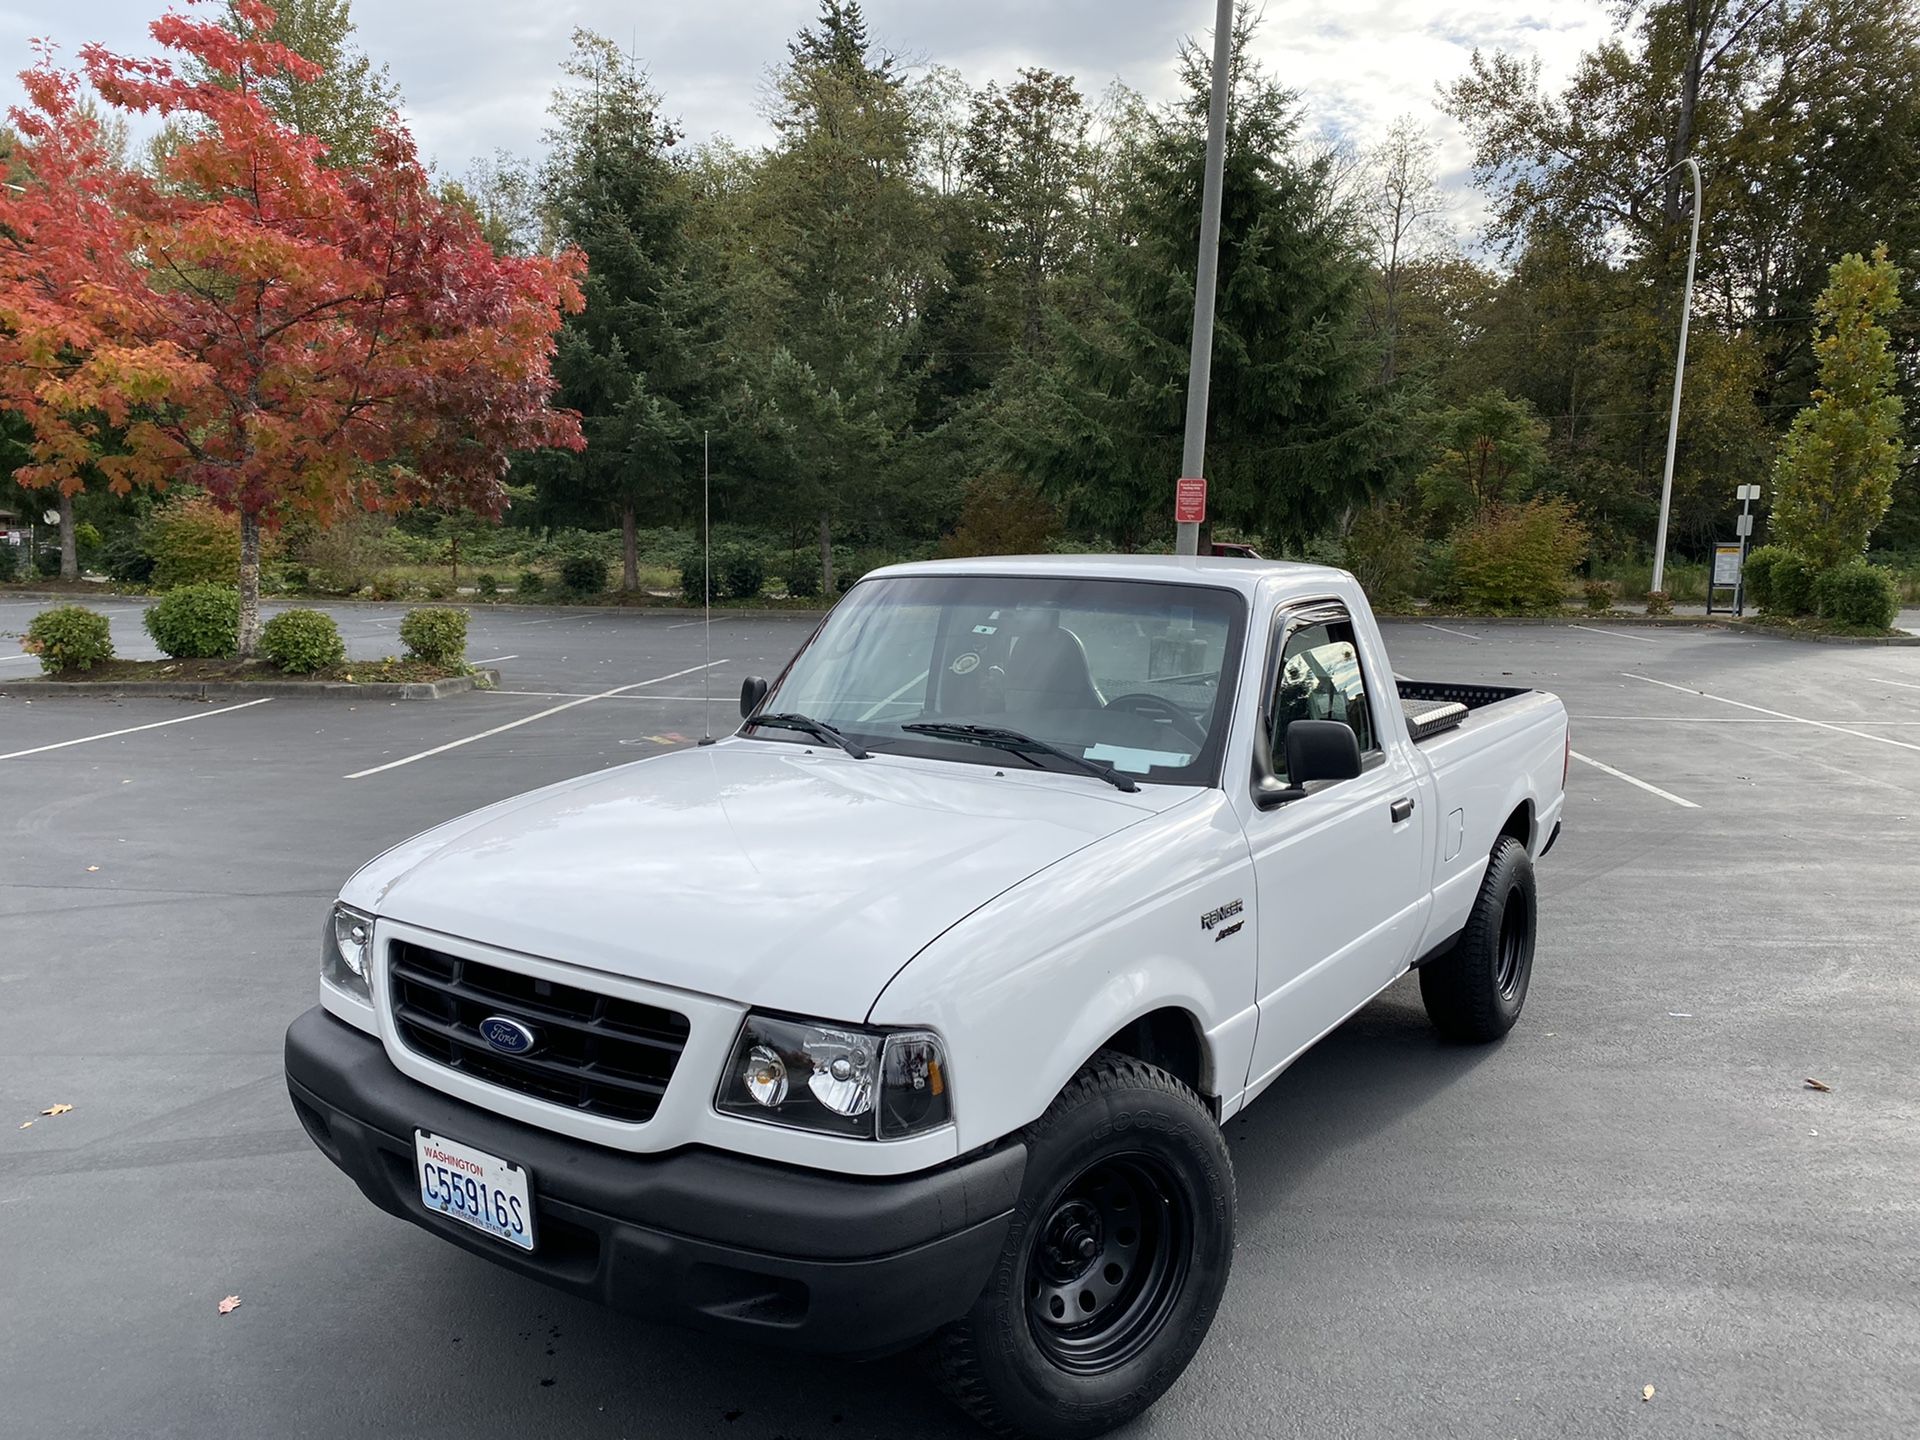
(1047, 670)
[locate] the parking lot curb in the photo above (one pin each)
(253, 689)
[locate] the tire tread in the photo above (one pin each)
(1458, 989)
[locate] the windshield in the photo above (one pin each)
(1129, 673)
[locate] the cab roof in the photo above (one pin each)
(1226, 571)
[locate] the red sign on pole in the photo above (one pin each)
(1190, 502)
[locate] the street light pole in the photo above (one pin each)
(1679, 373)
(1193, 454)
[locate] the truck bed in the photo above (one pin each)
(1434, 707)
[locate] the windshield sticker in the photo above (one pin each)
(1125, 757)
(985, 629)
(965, 664)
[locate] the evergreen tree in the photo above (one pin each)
(848, 261)
(1301, 429)
(636, 362)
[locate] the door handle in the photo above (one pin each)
(1401, 809)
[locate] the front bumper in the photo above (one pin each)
(784, 1255)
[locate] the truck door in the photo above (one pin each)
(1340, 873)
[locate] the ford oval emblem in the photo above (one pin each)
(508, 1035)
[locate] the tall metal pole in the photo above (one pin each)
(1193, 454)
(1679, 373)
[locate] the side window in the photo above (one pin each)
(1318, 678)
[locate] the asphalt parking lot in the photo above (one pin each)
(1637, 1188)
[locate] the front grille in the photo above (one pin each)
(596, 1053)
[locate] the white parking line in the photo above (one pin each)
(1615, 634)
(496, 660)
(19, 659)
(1777, 714)
(524, 720)
(592, 695)
(1445, 631)
(1903, 684)
(1633, 780)
(109, 734)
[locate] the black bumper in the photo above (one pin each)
(787, 1256)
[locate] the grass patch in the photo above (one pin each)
(1809, 625)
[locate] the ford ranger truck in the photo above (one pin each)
(909, 1014)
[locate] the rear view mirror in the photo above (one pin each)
(1321, 750)
(752, 691)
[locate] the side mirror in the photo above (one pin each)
(1321, 750)
(752, 691)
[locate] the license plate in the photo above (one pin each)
(475, 1188)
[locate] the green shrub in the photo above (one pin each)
(69, 637)
(440, 590)
(530, 583)
(1756, 574)
(46, 561)
(802, 576)
(436, 634)
(742, 573)
(583, 573)
(1790, 586)
(302, 641)
(1003, 514)
(1857, 594)
(1599, 596)
(693, 577)
(488, 585)
(1384, 552)
(86, 537)
(1659, 602)
(386, 586)
(196, 622)
(1518, 557)
(193, 542)
(9, 562)
(124, 557)
(296, 578)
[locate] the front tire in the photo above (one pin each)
(1114, 1264)
(1475, 992)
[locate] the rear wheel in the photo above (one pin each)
(1114, 1263)
(1476, 991)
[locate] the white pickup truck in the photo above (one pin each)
(911, 1012)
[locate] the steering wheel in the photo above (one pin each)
(1144, 704)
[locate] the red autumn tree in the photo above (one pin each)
(66, 365)
(296, 339)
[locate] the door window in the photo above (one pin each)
(1319, 678)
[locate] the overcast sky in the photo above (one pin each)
(476, 73)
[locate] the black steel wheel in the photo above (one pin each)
(1105, 1267)
(1114, 1262)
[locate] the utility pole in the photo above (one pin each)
(1193, 454)
(1679, 374)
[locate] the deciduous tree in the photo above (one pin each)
(286, 335)
(1835, 475)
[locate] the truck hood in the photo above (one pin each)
(751, 871)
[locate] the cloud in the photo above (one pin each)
(476, 74)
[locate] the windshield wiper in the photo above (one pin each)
(1018, 744)
(807, 725)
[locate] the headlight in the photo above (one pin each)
(838, 1079)
(346, 951)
